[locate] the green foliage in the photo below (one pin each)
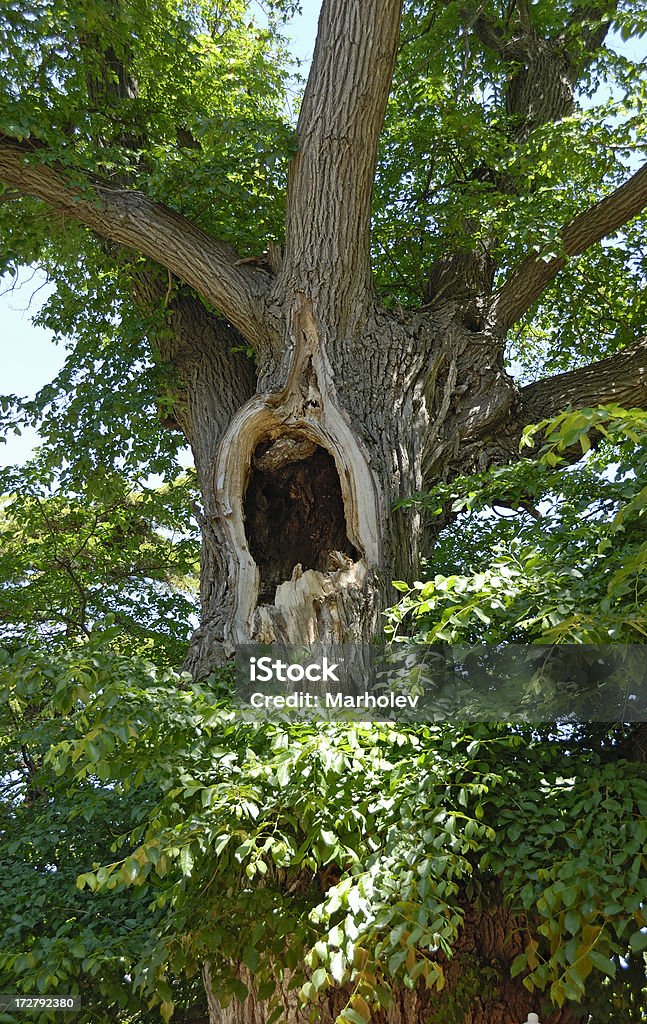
(100, 415)
(146, 828)
(358, 844)
(186, 96)
(101, 577)
(541, 552)
(117, 557)
(55, 937)
(453, 174)
(597, 308)
(185, 102)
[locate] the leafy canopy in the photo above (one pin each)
(185, 102)
(70, 565)
(542, 552)
(193, 104)
(145, 827)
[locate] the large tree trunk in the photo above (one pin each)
(478, 988)
(300, 543)
(347, 406)
(354, 407)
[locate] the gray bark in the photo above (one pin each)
(347, 406)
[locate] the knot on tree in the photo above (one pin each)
(460, 276)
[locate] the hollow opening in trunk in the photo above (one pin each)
(294, 512)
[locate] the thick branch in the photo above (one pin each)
(214, 376)
(534, 274)
(487, 32)
(490, 427)
(133, 220)
(331, 176)
(620, 378)
(541, 71)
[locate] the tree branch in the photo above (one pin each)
(491, 426)
(533, 275)
(331, 175)
(487, 32)
(620, 378)
(214, 375)
(135, 221)
(525, 14)
(591, 23)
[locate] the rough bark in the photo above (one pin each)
(620, 379)
(321, 314)
(347, 407)
(133, 220)
(541, 78)
(331, 176)
(541, 70)
(491, 935)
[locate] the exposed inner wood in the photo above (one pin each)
(294, 512)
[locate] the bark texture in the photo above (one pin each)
(346, 406)
(477, 989)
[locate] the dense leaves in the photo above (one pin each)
(56, 938)
(187, 97)
(146, 827)
(68, 565)
(541, 552)
(186, 102)
(363, 845)
(466, 167)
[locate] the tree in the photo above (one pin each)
(57, 937)
(341, 872)
(348, 402)
(147, 162)
(68, 564)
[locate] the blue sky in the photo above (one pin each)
(28, 356)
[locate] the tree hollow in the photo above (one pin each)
(294, 512)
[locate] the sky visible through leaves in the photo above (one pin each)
(28, 357)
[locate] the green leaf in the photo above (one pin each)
(638, 941)
(319, 978)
